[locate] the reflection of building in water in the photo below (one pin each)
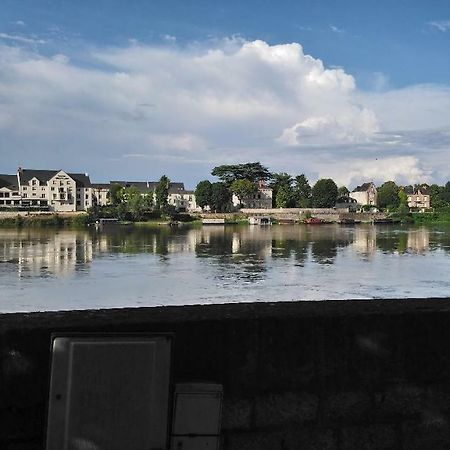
(365, 240)
(56, 253)
(419, 240)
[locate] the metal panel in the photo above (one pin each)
(109, 393)
(197, 411)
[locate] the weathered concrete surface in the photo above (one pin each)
(305, 375)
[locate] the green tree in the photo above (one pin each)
(388, 195)
(162, 193)
(243, 189)
(284, 197)
(437, 194)
(343, 191)
(284, 182)
(203, 193)
(220, 197)
(302, 192)
(134, 201)
(403, 198)
(253, 172)
(115, 194)
(324, 193)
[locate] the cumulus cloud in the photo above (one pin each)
(140, 111)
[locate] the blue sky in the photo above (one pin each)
(397, 54)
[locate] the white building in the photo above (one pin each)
(366, 194)
(262, 199)
(9, 191)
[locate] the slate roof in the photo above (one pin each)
(100, 185)
(44, 176)
(363, 188)
(9, 181)
(145, 186)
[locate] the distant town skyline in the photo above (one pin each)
(350, 91)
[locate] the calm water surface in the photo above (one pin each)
(52, 270)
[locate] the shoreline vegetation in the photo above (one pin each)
(156, 220)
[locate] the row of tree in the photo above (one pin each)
(296, 192)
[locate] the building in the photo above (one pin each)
(346, 203)
(9, 191)
(262, 199)
(366, 194)
(419, 198)
(52, 190)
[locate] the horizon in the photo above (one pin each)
(148, 88)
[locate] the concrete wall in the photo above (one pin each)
(306, 375)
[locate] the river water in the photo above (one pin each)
(64, 269)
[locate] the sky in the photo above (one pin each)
(352, 90)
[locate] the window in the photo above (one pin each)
(25, 188)
(54, 196)
(42, 195)
(33, 189)
(52, 188)
(1, 194)
(25, 195)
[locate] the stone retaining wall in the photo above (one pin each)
(332, 375)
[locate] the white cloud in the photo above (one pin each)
(140, 111)
(335, 29)
(441, 25)
(21, 39)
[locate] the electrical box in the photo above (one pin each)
(109, 392)
(197, 415)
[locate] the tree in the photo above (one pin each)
(203, 193)
(115, 194)
(243, 189)
(324, 193)
(253, 172)
(162, 192)
(284, 197)
(388, 195)
(343, 191)
(135, 202)
(302, 192)
(437, 194)
(282, 181)
(403, 198)
(220, 197)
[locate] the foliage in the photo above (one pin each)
(115, 194)
(343, 191)
(302, 192)
(285, 197)
(403, 198)
(243, 189)
(220, 197)
(253, 172)
(135, 202)
(203, 193)
(162, 192)
(388, 195)
(324, 193)
(282, 181)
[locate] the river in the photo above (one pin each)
(46, 269)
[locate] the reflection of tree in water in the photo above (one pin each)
(324, 251)
(290, 247)
(239, 255)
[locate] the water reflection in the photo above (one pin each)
(248, 249)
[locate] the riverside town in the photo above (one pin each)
(248, 189)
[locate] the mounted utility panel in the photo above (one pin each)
(197, 415)
(109, 392)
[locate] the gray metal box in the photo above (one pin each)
(197, 414)
(109, 392)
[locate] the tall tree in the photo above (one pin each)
(249, 171)
(343, 191)
(324, 193)
(437, 194)
(243, 189)
(282, 181)
(302, 192)
(135, 202)
(403, 198)
(115, 194)
(203, 193)
(388, 195)
(220, 197)
(162, 192)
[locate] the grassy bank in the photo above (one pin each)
(43, 221)
(437, 217)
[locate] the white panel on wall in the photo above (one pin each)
(109, 393)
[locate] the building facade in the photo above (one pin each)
(366, 194)
(419, 198)
(262, 199)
